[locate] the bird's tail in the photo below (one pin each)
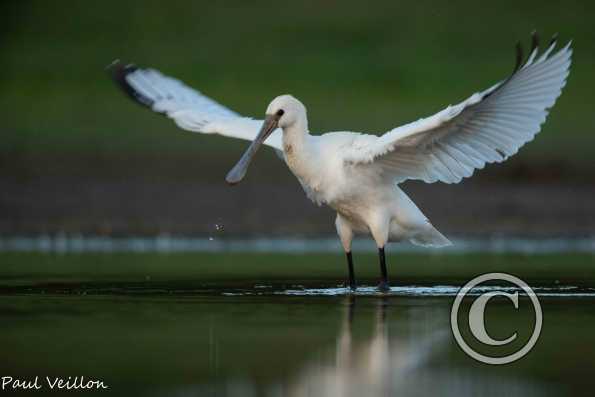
(430, 237)
(415, 226)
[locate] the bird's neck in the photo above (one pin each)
(295, 137)
(301, 154)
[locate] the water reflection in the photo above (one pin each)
(404, 355)
(374, 365)
(284, 346)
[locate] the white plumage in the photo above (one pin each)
(188, 108)
(357, 174)
(487, 127)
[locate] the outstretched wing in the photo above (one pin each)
(488, 127)
(188, 108)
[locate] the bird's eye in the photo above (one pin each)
(280, 112)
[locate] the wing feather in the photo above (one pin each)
(488, 127)
(188, 108)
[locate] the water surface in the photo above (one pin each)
(281, 324)
(279, 345)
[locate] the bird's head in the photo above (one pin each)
(287, 110)
(283, 111)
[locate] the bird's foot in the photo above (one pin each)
(351, 286)
(383, 286)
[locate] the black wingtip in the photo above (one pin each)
(519, 60)
(118, 72)
(519, 56)
(553, 40)
(534, 41)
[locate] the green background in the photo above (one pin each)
(361, 67)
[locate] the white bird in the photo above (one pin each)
(358, 174)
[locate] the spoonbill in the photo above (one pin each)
(358, 174)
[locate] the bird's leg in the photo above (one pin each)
(379, 225)
(352, 284)
(383, 286)
(346, 234)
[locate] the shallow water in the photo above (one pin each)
(417, 290)
(278, 324)
(282, 343)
